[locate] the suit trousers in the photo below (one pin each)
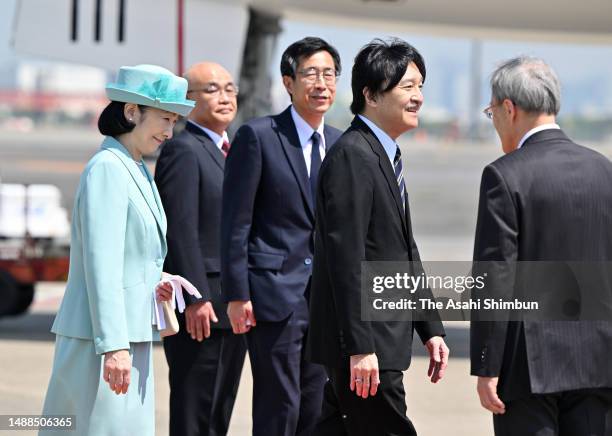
(381, 415)
(204, 378)
(287, 389)
(585, 412)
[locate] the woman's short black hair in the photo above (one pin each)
(304, 48)
(379, 66)
(112, 121)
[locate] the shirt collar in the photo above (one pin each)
(218, 140)
(388, 144)
(304, 130)
(536, 130)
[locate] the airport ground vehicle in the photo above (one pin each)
(34, 243)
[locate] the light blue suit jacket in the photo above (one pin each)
(118, 246)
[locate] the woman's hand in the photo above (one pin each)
(163, 290)
(117, 369)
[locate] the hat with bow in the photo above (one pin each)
(150, 85)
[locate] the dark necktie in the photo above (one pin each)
(399, 176)
(225, 147)
(315, 165)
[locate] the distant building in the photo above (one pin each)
(55, 91)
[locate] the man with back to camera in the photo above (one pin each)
(363, 215)
(548, 200)
(205, 358)
(267, 239)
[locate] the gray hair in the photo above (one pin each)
(529, 83)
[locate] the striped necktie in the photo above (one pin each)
(399, 175)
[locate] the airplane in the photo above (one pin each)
(242, 36)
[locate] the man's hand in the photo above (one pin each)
(438, 358)
(241, 316)
(117, 369)
(364, 374)
(487, 391)
(198, 316)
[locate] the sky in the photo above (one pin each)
(585, 71)
(6, 23)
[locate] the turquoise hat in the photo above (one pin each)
(150, 85)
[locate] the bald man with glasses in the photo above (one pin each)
(205, 359)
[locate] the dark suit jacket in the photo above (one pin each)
(268, 218)
(550, 200)
(189, 176)
(359, 217)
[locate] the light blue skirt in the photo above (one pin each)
(77, 388)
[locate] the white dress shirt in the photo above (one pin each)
(218, 140)
(536, 130)
(388, 144)
(305, 132)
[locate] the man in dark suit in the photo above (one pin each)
(546, 206)
(205, 358)
(267, 239)
(363, 215)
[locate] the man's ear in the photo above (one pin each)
(370, 97)
(288, 81)
(510, 108)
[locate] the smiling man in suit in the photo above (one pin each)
(547, 201)
(267, 239)
(205, 359)
(363, 215)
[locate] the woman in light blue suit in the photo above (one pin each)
(103, 367)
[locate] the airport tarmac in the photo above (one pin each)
(26, 353)
(442, 181)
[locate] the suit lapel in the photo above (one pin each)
(163, 224)
(208, 144)
(147, 189)
(385, 167)
(293, 150)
